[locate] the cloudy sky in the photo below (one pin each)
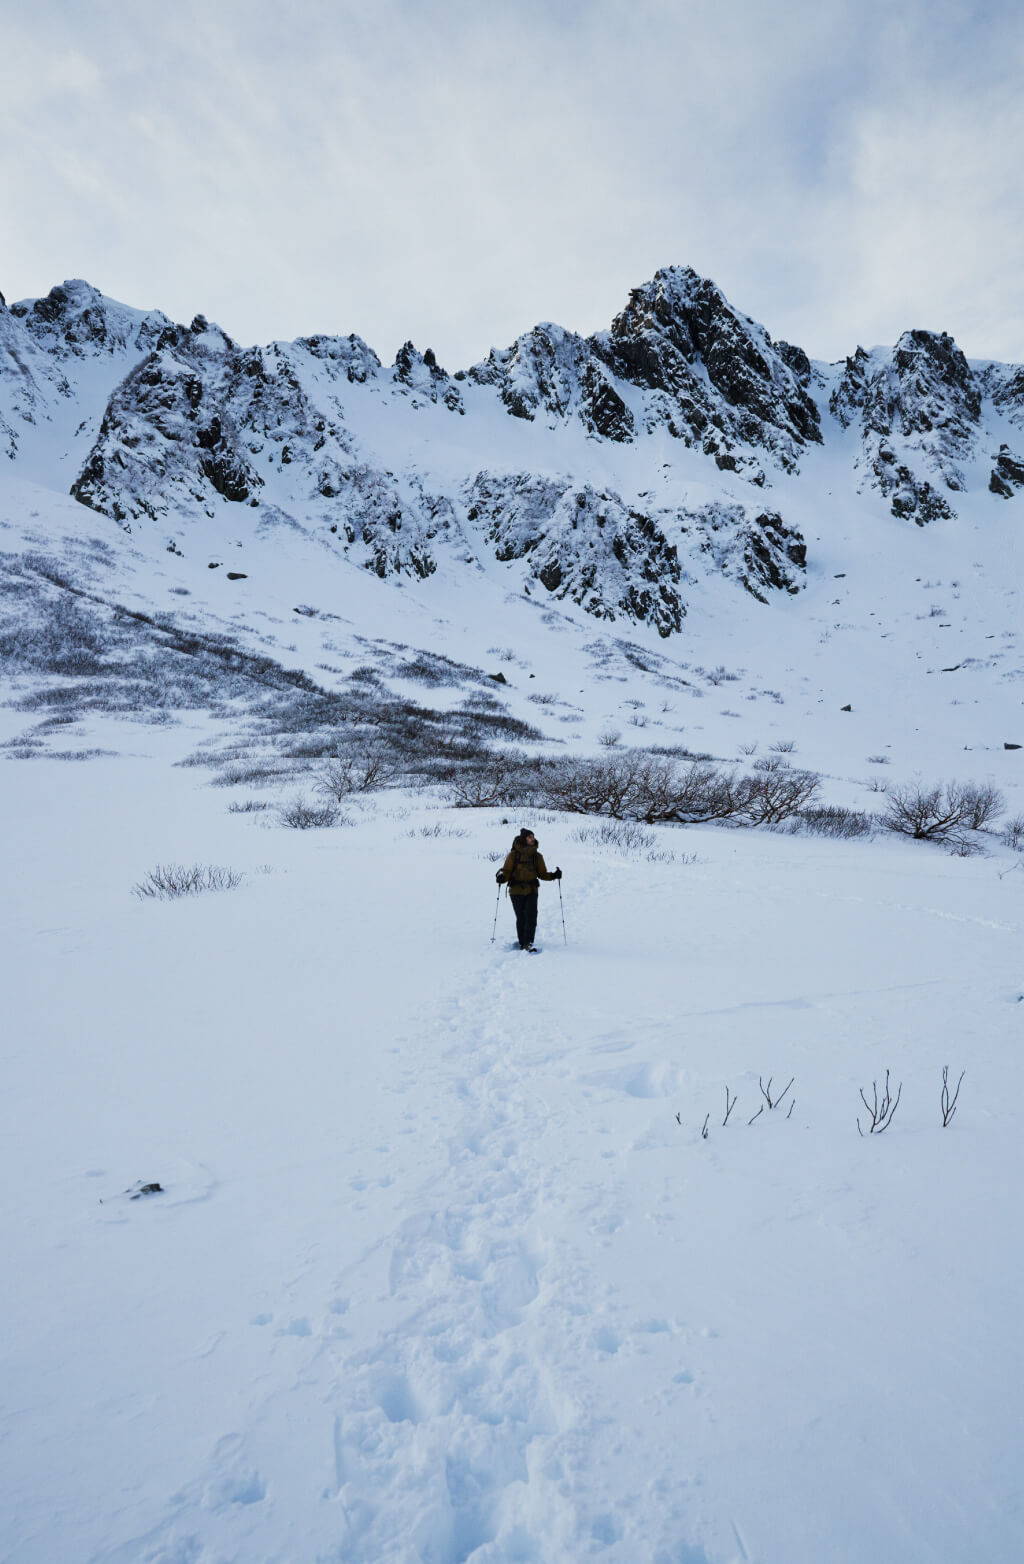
(455, 170)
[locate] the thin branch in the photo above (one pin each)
(948, 1102)
(729, 1106)
(704, 1127)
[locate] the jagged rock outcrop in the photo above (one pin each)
(1007, 473)
(757, 549)
(423, 377)
(719, 380)
(75, 320)
(919, 410)
(678, 358)
(553, 374)
(30, 380)
(583, 544)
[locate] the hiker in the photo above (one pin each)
(522, 870)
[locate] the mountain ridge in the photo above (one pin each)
(153, 423)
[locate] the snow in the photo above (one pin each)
(436, 1274)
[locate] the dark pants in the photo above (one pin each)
(525, 908)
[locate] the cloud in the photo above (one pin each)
(456, 172)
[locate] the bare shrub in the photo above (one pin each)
(609, 738)
(879, 760)
(877, 785)
(748, 749)
(982, 803)
(500, 780)
(881, 1108)
(773, 1098)
(625, 835)
(783, 746)
(364, 772)
(251, 775)
(948, 1101)
(248, 806)
(941, 812)
(961, 846)
(834, 820)
(436, 830)
(301, 815)
(168, 881)
(638, 786)
(1013, 833)
(769, 797)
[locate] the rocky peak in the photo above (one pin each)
(919, 408)
(553, 374)
(76, 319)
(421, 374)
(350, 355)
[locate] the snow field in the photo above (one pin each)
(437, 1275)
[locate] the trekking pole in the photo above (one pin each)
(561, 908)
(497, 904)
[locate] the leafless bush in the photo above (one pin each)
(769, 797)
(168, 881)
(364, 772)
(773, 1099)
(302, 815)
(251, 775)
(966, 847)
(436, 830)
(248, 806)
(834, 820)
(941, 812)
(609, 738)
(948, 1101)
(1013, 833)
(982, 803)
(879, 760)
(748, 749)
(641, 787)
(783, 746)
(501, 780)
(626, 835)
(877, 785)
(881, 1108)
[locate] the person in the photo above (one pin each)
(522, 871)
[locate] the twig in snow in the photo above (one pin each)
(881, 1107)
(766, 1092)
(729, 1106)
(948, 1102)
(757, 1115)
(704, 1127)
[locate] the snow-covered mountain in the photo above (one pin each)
(336, 1230)
(607, 471)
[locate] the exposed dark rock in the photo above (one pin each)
(1007, 474)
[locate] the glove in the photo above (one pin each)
(499, 878)
(558, 874)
